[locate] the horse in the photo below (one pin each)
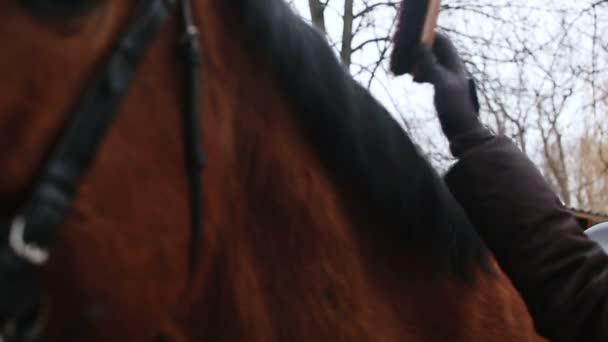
(320, 219)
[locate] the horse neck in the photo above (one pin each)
(262, 176)
(276, 225)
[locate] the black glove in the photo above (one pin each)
(455, 95)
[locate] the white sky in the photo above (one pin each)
(402, 97)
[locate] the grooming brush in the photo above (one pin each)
(416, 25)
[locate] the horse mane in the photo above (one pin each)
(377, 167)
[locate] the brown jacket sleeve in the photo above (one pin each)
(561, 274)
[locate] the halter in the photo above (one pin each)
(31, 232)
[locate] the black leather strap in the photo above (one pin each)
(53, 196)
(195, 158)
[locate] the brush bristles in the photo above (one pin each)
(410, 24)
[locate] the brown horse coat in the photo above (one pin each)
(323, 221)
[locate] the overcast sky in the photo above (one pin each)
(401, 96)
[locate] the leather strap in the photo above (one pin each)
(54, 193)
(196, 160)
(25, 240)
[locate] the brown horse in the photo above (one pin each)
(323, 222)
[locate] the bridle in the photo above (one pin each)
(27, 237)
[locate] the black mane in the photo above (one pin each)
(362, 146)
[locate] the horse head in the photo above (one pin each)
(67, 78)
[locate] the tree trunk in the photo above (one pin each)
(317, 14)
(347, 33)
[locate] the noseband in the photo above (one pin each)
(26, 239)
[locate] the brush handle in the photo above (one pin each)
(430, 23)
(427, 37)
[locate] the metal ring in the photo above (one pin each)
(30, 252)
(190, 33)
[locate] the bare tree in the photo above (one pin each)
(541, 68)
(591, 174)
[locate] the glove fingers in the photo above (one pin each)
(428, 69)
(447, 54)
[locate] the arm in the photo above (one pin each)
(560, 273)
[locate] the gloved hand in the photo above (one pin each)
(455, 94)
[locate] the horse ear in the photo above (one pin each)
(416, 25)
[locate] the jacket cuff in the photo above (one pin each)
(464, 143)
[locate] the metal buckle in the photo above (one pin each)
(30, 252)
